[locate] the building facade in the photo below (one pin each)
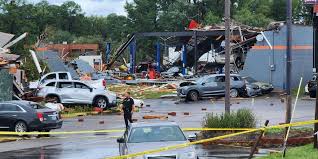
(269, 65)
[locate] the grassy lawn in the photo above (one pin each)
(302, 152)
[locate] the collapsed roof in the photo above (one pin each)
(241, 35)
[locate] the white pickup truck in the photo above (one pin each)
(101, 83)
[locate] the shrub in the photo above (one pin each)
(242, 118)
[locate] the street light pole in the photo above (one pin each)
(227, 55)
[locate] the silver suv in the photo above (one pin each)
(76, 92)
(211, 85)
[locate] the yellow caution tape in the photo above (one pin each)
(122, 130)
(114, 131)
(217, 129)
(211, 139)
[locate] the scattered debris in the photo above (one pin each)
(154, 117)
(172, 113)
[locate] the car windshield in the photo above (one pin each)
(250, 79)
(156, 134)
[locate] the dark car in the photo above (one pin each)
(24, 116)
(211, 85)
(311, 87)
(312, 91)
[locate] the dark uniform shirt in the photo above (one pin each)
(128, 105)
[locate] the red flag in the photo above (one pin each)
(193, 25)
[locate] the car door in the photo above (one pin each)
(66, 92)
(237, 82)
(82, 92)
(3, 118)
(209, 86)
(220, 88)
(9, 113)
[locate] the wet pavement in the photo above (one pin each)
(97, 146)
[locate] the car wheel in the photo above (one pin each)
(193, 95)
(20, 126)
(101, 102)
(312, 95)
(52, 98)
(234, 93)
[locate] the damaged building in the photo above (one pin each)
(268, 63)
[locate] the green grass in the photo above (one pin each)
(301, 92)
(154, 95)
(302, 152)
(242, 118)
(282, 130)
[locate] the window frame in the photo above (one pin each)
(63, 75)
(59, 85)
(22, 110)
(87, 87)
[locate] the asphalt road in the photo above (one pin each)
(97, 146)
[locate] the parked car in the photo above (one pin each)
(211, 85)
(24, 116)
(265, 87)
(76, 92)
(312, 91)
(100, 83)
(146, 136)
(311, 86)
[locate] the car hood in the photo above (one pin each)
(140, 147)
(260, 84)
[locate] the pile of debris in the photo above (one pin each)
(12, 77)
(144, 91)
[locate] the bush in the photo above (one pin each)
(242, 118)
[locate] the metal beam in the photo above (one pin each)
(185, 33)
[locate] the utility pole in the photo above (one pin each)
(195, 52)
(315, 57)
(288, 62)
(227, 55)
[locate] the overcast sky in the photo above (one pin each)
(95, 7)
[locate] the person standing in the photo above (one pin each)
(128, 107)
